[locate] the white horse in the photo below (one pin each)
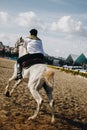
(38, 75)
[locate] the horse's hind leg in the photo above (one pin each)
(49, 91)
(37, 98)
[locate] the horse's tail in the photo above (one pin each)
(49, 77)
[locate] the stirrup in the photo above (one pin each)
(18, 77)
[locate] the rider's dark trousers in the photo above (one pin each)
(30, 57)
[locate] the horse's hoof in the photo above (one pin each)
(8, 94)
(53, 121)
(32, 118)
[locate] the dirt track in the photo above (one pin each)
(70, 96)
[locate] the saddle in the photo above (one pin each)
(29, 63)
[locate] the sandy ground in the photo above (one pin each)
(70, 96)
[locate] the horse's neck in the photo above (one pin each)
(22, 51)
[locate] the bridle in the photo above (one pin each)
(19, 42)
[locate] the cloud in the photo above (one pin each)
(26, 19)
(8, 39)
(29, 19)
(69, 26)
(4, 17)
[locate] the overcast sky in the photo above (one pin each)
(61, 24)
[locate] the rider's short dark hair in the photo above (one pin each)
(33, 32)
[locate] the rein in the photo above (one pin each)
(19, 45)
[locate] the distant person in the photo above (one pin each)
(34, 49)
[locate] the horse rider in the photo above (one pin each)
(34, 49)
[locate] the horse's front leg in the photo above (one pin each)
(10, 80)
(8, 85)
(15, 85)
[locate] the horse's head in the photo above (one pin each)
(19, 46)
(19, 42)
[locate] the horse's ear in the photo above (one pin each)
(20, 38)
